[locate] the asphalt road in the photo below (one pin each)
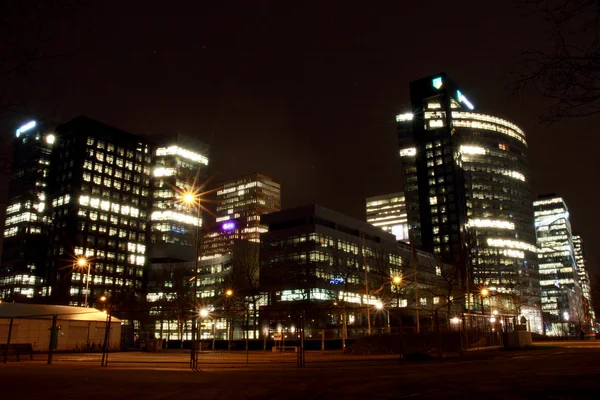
(548, 372)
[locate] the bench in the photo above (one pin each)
(285, 348)
(17, 349)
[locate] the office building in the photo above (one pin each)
(388, 212)
(466, 182)
(584, 282)
(181, 166)
(240, 203)
(23, 268)
(559, 279)
(100, 188)
(317, 256)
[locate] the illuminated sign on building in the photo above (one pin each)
(437, 82)
(228, 226)
(462, 99)
(28, 126)
(336, 281)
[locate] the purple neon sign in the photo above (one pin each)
(228, 226)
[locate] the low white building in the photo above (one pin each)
(79, 328)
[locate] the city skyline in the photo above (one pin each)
(354, 118)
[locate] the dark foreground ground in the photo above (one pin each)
(551, 371)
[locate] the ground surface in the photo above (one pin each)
(554, 370)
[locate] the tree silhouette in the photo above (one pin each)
(568, 72)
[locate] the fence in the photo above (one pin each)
(286, 337)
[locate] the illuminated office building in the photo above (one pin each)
(466, 181)
(388, 212)
(181, 164)
(240, 203)
(23, 267)
(101, 196)
(584, 281)
(559, 280)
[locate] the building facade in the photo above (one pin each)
(23, 267)
(318, 257)
(559, 278)
(101, 196)
(181, 166)
(466, 179)
(240, 203)
(388, 212)
(584, 282)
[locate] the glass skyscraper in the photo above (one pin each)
(584, 281)
(101, 195)
(240, 203)
(466, 182)
(559, 280)
(23, 268)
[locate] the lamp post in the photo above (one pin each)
(397, 281)
(192, 199)
(82, 262)
(484, 293)
(379, 306)
(229, 295)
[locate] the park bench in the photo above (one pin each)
(285, 348)
(17, 349)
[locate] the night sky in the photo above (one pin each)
(308, 93)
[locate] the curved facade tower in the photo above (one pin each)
(467, 189)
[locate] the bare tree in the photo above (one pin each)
(568, 72)
(245, 277)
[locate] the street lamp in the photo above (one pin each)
(192, 198)
(229, 293)
(81, 263)
(484, 293)
(379, 306)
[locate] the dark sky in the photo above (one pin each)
(308, 93)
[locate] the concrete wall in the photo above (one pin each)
(72, 335)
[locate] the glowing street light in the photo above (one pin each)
(379, 305)
(102, 298)
(203, 313)
(485, 292)
(229, 293)
(81, 263)
(455, 320)
(396, 280)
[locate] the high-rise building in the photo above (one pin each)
(466, 181)
(559, 280)
(388, 212)
(100, 188)
(240, 203)
(181, 166)
(584, 281)
(23, 268)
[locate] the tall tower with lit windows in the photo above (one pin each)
(100, 188)
(23, 267)
(466, 182)
(562, 297)
(181, 164)
(240, 203)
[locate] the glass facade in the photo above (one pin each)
(388, 212)
(181, 165)
(101, 195)
(584, 281)
(23, 267)
(240, 203)
(466, 185)
(559, 280)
